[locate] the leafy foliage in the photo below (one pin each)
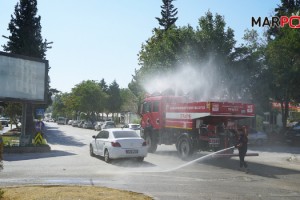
(25, 29)
(129, 100)
(13, 110)
(253, 73)
(114, 98)
(167, 51)
(87, 99)
(283, 60)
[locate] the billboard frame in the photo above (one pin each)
(27, 100)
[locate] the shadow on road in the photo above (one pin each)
(31, 156)
(279, 148)
(259, 169)
(55, 136)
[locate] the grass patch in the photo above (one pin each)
(69, 193)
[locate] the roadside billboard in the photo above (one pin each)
(23, 79)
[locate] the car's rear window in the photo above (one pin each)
(135, 126)
(125, 134)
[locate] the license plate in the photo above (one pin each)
(132, 151)
(214, 141)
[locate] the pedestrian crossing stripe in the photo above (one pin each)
(38, 139)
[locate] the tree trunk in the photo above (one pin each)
(29, 127)
(285, 113)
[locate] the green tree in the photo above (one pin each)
(213, 37)
(59, 107)
(129, 101)
(253, 75)
(163, 53)
(25, 29)
(103, 85)
(114, 98)
(286, 8)
(167, 51)
(283, 59)
(13, 110)
(89, 98)
(215, 46)
(168, 15)
(26, 39)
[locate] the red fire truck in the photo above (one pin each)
(191, 126)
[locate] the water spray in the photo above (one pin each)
(201, 158)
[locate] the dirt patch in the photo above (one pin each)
(68, 193)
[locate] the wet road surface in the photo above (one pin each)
(274, 174)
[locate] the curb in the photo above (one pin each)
(32, 149)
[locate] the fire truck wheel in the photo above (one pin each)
(185, 148)
(152, 145)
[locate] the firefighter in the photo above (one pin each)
(242, 146)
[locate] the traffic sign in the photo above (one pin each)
(40, 112)
(38, 139)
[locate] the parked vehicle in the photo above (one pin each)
(118, 143)
(132, 126)
(80, 124)
(257, 137)
(75, 123)
(292, 136)
(4, 121)
(98, 125)
(88, 125)
(61, 120)
(107, 125)
(135, 127)
(70, 122)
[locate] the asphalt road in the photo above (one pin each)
(274, 174)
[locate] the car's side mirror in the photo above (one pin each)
(94, 136)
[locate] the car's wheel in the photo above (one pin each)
(151, 145)
(106, 156)
(92, 151)
(185, 148)
(140, 159)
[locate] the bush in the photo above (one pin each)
(1, 193)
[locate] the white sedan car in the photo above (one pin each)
(118, 143)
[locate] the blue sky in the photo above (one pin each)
(97, 39)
